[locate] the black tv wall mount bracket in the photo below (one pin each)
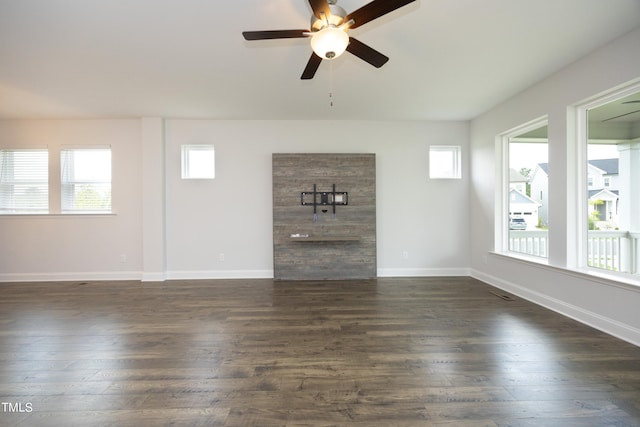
(324, 199)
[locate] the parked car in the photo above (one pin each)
(517, 224)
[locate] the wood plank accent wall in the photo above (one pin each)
(340, 247)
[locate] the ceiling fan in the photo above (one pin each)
(329, 26)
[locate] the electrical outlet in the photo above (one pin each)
(221, 257)
(123, 258)
(405, 254)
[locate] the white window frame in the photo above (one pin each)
(502, 202)
(454, 171)
(579, 260)
(188, 160)
(67, 186)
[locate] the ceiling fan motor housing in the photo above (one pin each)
(336, 19)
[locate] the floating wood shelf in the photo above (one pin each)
(324, 239)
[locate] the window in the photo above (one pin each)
(445, 162)
(24, 186)
(198, 162)
(612, 220)
(526, 205)
(86, 180)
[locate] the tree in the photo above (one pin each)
(594, 215)
(88, 197)
(526, 172)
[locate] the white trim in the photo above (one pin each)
(530, 140)
(599, 276)
(159, 276)
(577, 113)
(605, 324)
(189, 150)
(456, 161)
(70, 276)
(518, 256)
(501, 205)
(218, 274)
(61, 215)
(610, 95)
(423, 272)
(501, 195)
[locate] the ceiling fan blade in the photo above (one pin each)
(373, 10)
(366, 53)
(274, 34)
(320, 9)
(312, 67)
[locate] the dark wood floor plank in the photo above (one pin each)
(388, 352)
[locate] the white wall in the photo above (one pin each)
(231, 215)
(170, 228)
(608, 305)
(60, 247)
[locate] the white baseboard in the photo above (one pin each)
(159, 276)
(219, 274)
(610, 326)
(71, 277)
(422, 272)
(136, 275)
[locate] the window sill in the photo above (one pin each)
(523, 257)
(60, 215)
(619, 280)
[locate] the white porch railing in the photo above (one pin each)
(605, 249)
(608, 250)
(530, 242)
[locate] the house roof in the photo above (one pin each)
(520, 197)
(449, 60)
(515, 176)
(608, 193)
(609, 166)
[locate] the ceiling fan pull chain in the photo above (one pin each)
(331, 84)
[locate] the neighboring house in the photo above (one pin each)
(540, 191)
(517, 181)
(523, 206)
(603, 173)
(603, 186)
(605, 202)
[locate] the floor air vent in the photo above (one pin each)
(504, 296)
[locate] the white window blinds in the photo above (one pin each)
(86, 180)
(24, 186)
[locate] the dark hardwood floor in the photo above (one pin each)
(386, 352)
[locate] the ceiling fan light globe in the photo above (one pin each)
(330, 42)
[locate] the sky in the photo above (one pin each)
(528, 155)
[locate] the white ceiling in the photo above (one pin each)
(450, 59)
